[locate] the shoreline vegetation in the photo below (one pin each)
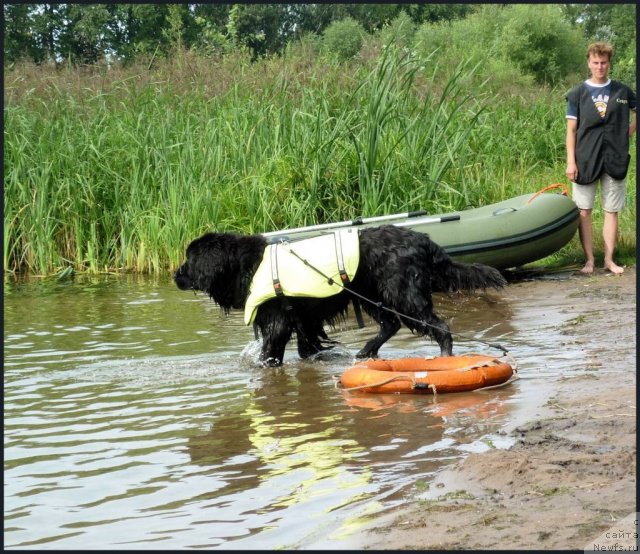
(117, 169)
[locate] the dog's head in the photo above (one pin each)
(221, 265)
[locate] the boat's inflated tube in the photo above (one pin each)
(428, 375)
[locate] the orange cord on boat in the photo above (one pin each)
(565, 191)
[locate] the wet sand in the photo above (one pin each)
(571, 472)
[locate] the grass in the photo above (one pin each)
(118, 169)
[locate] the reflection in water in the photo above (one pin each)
(136, 417)
(301, 450)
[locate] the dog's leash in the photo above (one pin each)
(381, 306)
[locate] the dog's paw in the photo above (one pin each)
(271, 362)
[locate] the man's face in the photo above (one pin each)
(599, 67)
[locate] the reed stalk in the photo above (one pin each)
(118, 170)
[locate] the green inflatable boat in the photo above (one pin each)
(503, 235)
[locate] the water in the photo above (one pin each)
(136, 417)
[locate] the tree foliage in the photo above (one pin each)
(614, 23)
(344, 38)
(541, 41)
(86, 33)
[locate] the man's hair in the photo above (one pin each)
(600, 49)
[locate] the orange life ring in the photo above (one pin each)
(427, 375)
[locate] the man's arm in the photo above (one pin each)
(572, 131)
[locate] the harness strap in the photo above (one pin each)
(277, 286)
(345, 278)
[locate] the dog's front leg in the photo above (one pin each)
(389, 326)
(275, 336)
(312, 338)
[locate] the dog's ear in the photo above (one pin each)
(214, 267)
(206, 258)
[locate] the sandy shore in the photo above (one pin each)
(570, 475)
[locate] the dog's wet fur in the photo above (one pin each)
(399, 270)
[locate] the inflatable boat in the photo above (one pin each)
(507, 234)
(428, 375)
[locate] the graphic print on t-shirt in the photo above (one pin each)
(600, 96)
(601, 100)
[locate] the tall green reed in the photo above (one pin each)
(411, 137)
(121, 173)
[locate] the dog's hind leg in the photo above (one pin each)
(438, 330)
(389, 326)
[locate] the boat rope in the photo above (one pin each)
(565, 191)
(495, 361)
(381, 306)
(381, 383)
(486, 363)
(414, 384)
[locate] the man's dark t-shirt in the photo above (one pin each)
(602, 141)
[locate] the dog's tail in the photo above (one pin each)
(460, 276)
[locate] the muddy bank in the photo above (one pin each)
(571, 473)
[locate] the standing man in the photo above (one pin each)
(598, 131)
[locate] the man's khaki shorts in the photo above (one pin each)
(613, 194)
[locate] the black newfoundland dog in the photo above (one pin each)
(398, 271)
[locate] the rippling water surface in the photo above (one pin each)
(136, 417)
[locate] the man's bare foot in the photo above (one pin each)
(614, 268)
(587, 269)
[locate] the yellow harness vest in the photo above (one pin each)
(283, 270)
